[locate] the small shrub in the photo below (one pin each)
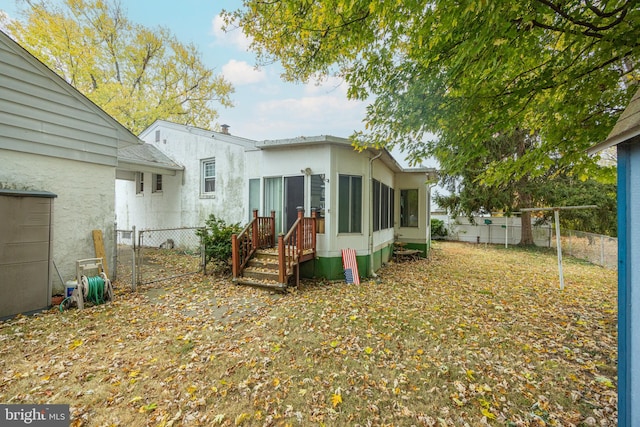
(438, 229)
(217, 241)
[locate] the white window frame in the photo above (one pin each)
(204, 178)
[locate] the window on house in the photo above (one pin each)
(376, 205)
(139, 182)
(409, 208)
(349, 204)
(382, 206)
(157, 183)
(157, 136)
(392, 210)
(208, 184)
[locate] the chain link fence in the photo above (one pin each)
(148, 256)
(595, 248)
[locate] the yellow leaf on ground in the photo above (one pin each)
(487, 413)
(75, 344)
(336, 399)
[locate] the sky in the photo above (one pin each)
(265, 106)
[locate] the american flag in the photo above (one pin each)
(350, 266)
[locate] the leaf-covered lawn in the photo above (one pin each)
(471, 336)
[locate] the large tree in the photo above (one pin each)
(136, 74)
(465, 71)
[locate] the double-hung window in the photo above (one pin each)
(208, 184)
(349, 204)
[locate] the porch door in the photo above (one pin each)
(294, 197)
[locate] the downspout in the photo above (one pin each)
(431, 182)
(372, 272)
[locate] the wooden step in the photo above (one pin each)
(268, 284)
(261, 273)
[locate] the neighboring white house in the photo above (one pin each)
(364, 200)
(53, 142)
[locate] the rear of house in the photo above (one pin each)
(362, 200)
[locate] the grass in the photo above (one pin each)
(474, 335)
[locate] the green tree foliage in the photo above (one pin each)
(569, 191)
(217, 241)
(438, 229)
(136, 74)
(465, 71)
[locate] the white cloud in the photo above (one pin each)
(241, 73)
(308, 116)
(233, 36)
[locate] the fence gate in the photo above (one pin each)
(125, 271)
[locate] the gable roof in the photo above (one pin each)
(146, 158)
(206, 133)
(48, 116)
(627, 126)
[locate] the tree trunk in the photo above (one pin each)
(526, 234)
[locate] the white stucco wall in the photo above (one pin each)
(85, 202)
(181, 204)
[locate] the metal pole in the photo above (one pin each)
(506, 232)
(134, 273)
(556, 215)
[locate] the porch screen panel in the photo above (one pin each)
(376, 205)
(273, 200)
(384, 206)
(409, 208)
(349, 204)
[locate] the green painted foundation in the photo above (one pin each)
(330, 268)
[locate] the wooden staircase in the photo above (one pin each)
(258, 260)
(263, 270)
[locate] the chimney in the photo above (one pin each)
(225, 129)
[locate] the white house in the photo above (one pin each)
(364, 200)
(201, 172)
(58, 154)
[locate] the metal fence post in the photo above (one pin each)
(134, 283)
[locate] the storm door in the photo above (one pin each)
(293, 198)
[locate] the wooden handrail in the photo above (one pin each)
(299, 240)
(298, 244)
(259, 233)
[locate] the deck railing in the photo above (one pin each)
(298, 245)
(259, 233)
